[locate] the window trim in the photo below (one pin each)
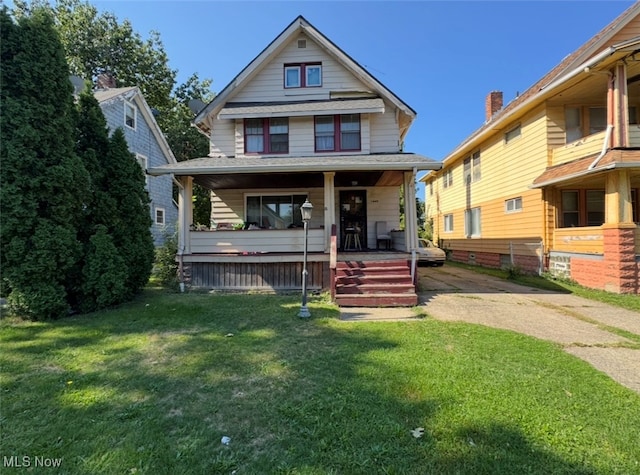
(266, 136)
(447, 178)
(130, 106)
(337, 134)
(472, 168)
(143, 161)
(582, 211)
(163, 212)
(291, 194)
(447, 223)
(469, 222)
(515, 207)
(513, 134)
(303, 74)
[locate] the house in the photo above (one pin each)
(126, 108)
(551, 180)
(302, 121)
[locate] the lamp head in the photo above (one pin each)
(306, 209)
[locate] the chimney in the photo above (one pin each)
(492, 104)
(106, 81)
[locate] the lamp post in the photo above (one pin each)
(306, 217)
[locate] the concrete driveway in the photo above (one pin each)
(583, 327)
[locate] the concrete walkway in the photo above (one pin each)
(583, 327)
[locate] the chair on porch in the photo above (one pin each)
(382, 235)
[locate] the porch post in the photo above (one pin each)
(329, 208)
(410, 225)
(185, 214)
(620, 109)
(618, 197)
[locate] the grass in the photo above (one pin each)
(547, 282)
(153, 386)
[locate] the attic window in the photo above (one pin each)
(303, 75)
(130, 115)
(302, 44)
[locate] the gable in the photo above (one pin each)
(343, 73)
(269, 83)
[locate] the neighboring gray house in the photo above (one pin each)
(125, 107)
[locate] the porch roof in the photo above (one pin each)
(320, 163)
(242, 110)
(614, 158)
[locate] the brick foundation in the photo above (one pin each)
(528, 264)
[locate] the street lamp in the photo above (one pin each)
(306, 217)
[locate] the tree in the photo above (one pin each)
(126, 209)
(420, 211)
(96, 42)
(44, 184)
(186, 141)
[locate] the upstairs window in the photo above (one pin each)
(130, 112)
(302, 75)
(335, 133)
(472, 172)
(512, 134)
(266, 135)
(447, 178)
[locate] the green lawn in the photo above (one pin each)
(152, 387)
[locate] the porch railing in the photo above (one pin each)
(258, 241)
(587, 240)
(580, 148)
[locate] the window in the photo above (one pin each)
(130, 112)
(431, 188)
(447, 178)
(334, 133)
(266, 135)
(448, 223)
(143, 162)
(302, 75)
(582, 208)
(159, 218)
(274, 211)
(472, 171)
(583, 121)
(513, 205)
(512, 134)
(472, 222)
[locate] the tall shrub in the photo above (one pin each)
(126, 206)
(43, 184)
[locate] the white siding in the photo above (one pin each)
(222, 138)
(268, 85)
(385, 134)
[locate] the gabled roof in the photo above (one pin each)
(133, 94)
(587, 56)
(300, 24)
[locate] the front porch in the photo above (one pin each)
(272, 271)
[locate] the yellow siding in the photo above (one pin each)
(588, 240)
(589, 145)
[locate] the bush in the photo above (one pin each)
(165, 268)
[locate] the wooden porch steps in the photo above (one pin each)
(374, 284)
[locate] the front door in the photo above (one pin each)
(353, 220)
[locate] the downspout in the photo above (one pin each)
(605, 147)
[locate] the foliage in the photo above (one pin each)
(152, 386)
(104, 273)
(165, 269)
(126, 209)
(44, 185)
(420, 213)
(97, 42)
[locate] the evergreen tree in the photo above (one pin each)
(43, 184)
(126, 209)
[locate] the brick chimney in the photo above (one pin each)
(106, 81)
(492, 104)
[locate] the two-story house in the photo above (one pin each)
(551, 181)
(126, 108)
(302, 121)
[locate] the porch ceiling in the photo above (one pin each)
(298, 180)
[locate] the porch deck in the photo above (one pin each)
(276, 271)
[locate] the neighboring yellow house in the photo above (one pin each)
(551, 181)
